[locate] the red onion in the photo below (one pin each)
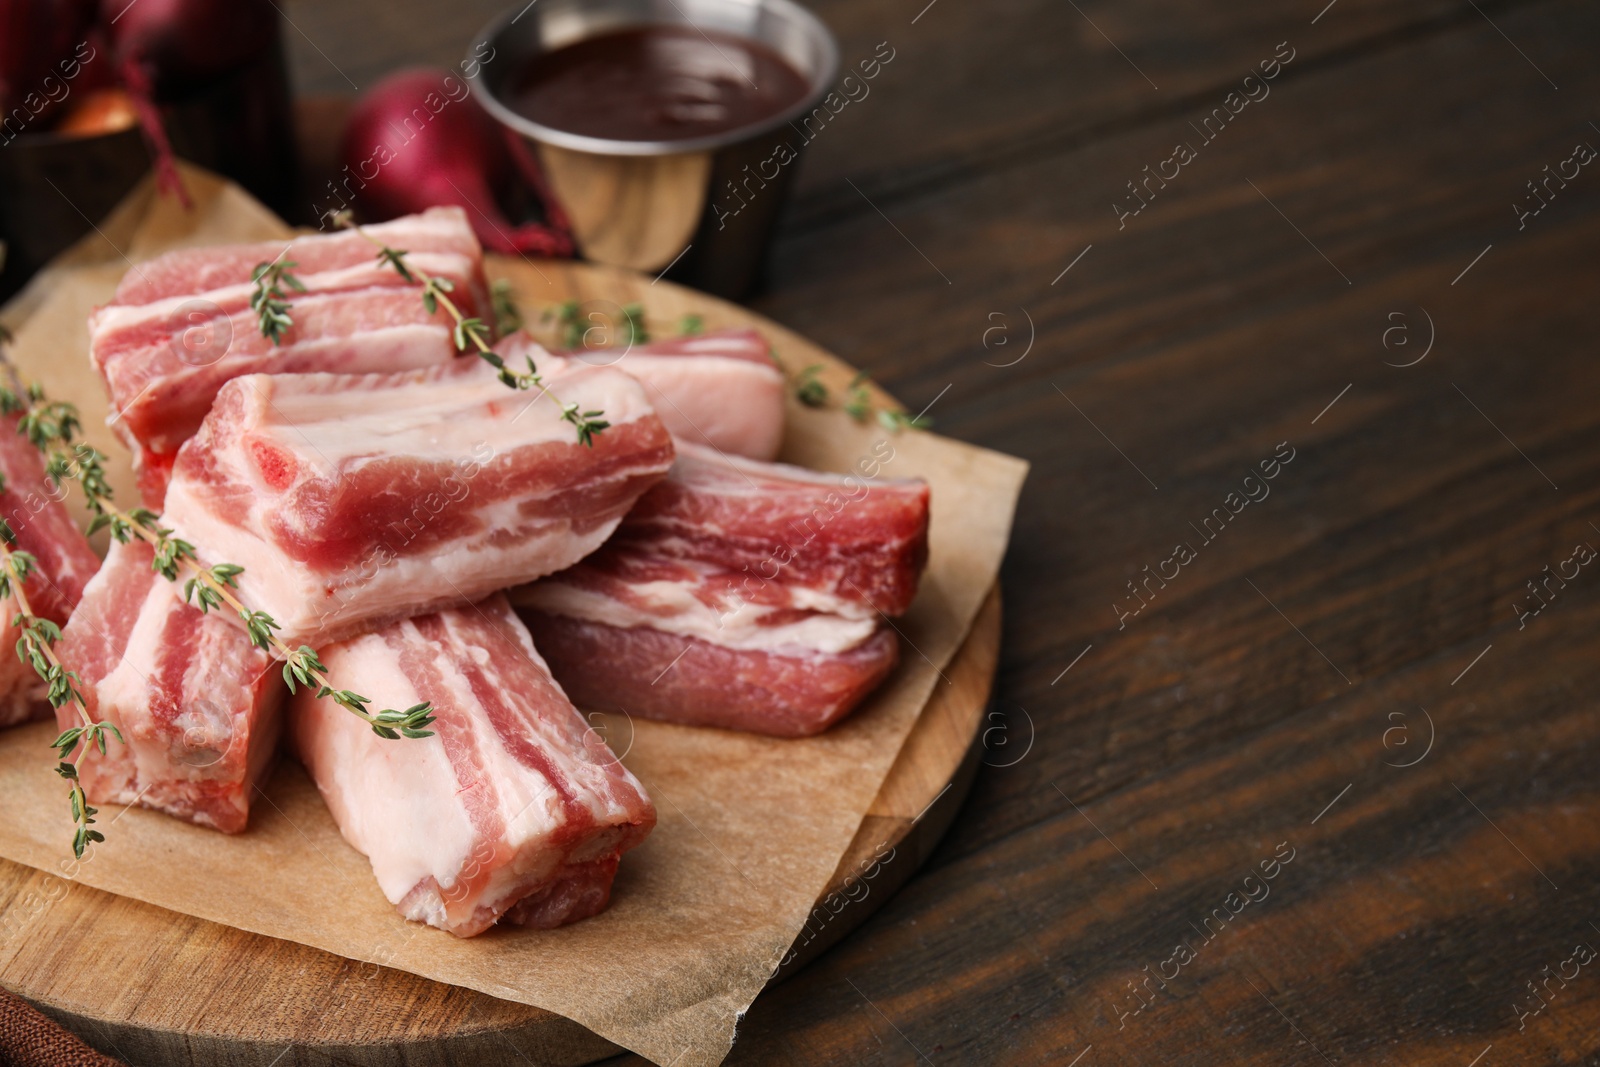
(417, 139)
(39, 54)
(167, 48)
(183, 45)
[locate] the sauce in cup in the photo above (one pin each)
(657, 83)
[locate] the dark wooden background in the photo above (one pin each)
(1320, 641)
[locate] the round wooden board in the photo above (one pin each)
(156, 987)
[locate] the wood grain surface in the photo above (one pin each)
(1184, 347)
(1321, 640)
(1273, 692)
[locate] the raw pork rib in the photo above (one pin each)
(31, 505)
(719, 389)
(515, 809)
(181, 325)
(354, 500)
(738, 594)
(196, 703)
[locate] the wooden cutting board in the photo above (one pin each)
(157, 987)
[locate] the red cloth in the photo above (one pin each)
(29, 1039)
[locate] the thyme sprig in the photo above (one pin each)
(811, 391)
(43, 423)
(587, 423)
(633, 327)
(895, 421)
(568, 315)
(36, 640)
(859, 404)
(212, 587)
(472, 332)
(302, 665)
(507, 316)
(268, 299)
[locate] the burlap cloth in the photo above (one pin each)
(28, 1039)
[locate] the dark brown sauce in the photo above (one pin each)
(657, 83)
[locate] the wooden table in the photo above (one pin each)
(1348, 670)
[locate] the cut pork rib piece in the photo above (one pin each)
(353, 500)
(31, 505)
(197, 705)
(857, 540)
(516, 805)
(788, 691)
(720, 389)
(181, 325)
(194, 270)
(738, 594)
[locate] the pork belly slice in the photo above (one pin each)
(514, 810)
(182, 325)
(352, 501)
(743, 344)
(857, 541)
(789, 691)
(196, 270)
(719, 389)
(160, 391)
(736, 594)
(198, 706)
(32, 506)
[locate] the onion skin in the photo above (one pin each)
(184, 45)
(165, 49)
(417, 140)
(39, 42)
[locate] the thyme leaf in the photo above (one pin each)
(809, 390)
(268, 299)
(895, 421)
(633, 328)
(507, 316)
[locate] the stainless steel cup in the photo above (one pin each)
(705, 207)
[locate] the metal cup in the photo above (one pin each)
(703, 207)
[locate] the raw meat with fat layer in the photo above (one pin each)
(197, 705)
(181, 325)
(737, 594)
(352, 501)
(858, 539)
(784, 692)
(720, 389)
(514, 810)
(31, 505)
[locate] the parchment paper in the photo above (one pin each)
(750, 828)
